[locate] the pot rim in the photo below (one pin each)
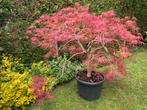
(89, 83)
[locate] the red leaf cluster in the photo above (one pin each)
(37, 85)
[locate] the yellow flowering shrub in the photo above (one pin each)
(14, 86)
(16, 81)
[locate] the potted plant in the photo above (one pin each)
(103, 39)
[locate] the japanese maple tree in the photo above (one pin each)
(101, 39)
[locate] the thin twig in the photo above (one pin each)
(91, 42)
(105, 48)
(66, 44)
(76, 54)
(81, 46)
(57, 51)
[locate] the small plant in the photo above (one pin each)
(13, 64)
(63, 69)
(100, 39)
(55, 70)
(40, 68)
(38, 87)
(43, 69)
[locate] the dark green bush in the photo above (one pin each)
(99, 6)
(61, 68)
(64, 69)
(15, 17)
(137, 8)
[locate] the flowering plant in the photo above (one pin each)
(101, 39)
(38, 87)
(14, 85)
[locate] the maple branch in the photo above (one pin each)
(76, 54)
(80, 44)
(90, 44)
(57, 50)
(66, 43)
(105, 48)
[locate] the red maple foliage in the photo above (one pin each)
(79, 32)
(37, 85)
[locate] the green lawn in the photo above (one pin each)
(121, 94)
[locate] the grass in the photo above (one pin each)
(129, 93)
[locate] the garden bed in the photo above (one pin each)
(127, 94)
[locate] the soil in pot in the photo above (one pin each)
(95, 77)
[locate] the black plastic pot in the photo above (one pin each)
(89, 91)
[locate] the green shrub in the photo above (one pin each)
(15, 16)
(99, 6)
(61, 68)
(137, 8)
(64, 69)
(40, 68)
